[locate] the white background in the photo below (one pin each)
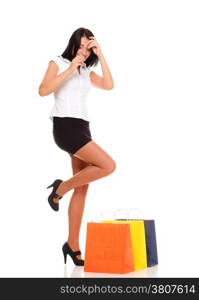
(148, 123)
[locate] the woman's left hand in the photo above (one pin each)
(94, 45)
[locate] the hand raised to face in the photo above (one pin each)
(77, 61)
(94, 45)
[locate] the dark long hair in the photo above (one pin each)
(74, 44)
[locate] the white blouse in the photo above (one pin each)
(70, 98)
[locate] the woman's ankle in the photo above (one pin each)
(62, 189)
(73, 244)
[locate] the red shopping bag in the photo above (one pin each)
(108, 248)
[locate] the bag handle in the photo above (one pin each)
(121, 213)
(135, 213)
(128, 214)
(107, 215)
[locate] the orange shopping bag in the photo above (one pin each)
(108, 248)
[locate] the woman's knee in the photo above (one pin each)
(110, 167)
(93, 154)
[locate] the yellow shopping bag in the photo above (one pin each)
(138, 242)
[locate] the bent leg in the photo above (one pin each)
(100, 165)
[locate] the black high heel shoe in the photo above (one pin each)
(67, 250)
(55, 184)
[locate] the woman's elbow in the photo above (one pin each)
(109, 87)
(42, 92)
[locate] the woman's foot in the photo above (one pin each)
(74, 247)
(62, 189)
(54, 198)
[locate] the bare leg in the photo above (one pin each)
(75, 214)
(76, 208)
(100, 165)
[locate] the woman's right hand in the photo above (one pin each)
(76, 62)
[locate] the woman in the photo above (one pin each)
(69, 76)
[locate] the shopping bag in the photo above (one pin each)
(151, 243)
(138, 241)
(108, 248)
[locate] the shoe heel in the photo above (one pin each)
(50, 185)
(65, 256)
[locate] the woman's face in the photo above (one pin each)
(83, 50)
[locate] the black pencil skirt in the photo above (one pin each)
(70, 134)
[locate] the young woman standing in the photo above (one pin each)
(69, 77)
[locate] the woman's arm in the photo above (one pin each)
(106, 81)
(51, 81)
